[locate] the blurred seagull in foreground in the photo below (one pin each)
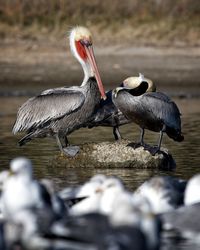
(101, 197)
(133, 211)
(21, 191)
(110, 189)
(4, 175)
(185, 221)
(60, 209)
(164, 193)
(83, 198)
(26, 204)
(192, 191)
(84, 190)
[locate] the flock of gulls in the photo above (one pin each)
(60, 111)
(100, 214)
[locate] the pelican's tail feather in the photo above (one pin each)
(25, 139)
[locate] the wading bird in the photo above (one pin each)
(108, 115)
(153, 111)
(59, 111)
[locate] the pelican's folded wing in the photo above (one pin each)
(47, 107)
(161, 106)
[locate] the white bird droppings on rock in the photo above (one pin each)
(118, 154)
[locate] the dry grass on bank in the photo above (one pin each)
(150, 22)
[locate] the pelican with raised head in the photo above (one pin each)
(154, 111)
(59, 111)
(108, 115)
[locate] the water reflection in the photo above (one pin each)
(44, 152)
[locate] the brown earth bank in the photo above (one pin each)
(29, 66)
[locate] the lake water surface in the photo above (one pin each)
(44, 152)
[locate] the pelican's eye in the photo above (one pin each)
(86, 42)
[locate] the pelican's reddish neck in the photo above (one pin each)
(81, 50)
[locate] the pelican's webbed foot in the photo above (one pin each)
(152, 150)
(136, 145)
(71, 150)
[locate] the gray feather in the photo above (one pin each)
(155, 107)
(162, 108)
(50, 105)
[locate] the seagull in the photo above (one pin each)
(91, 194)
(185, 221)
(192, 191)
(164, 193)
(21, 191)
(110, 189)
(72, 195)
(60, 209)
(136, 212)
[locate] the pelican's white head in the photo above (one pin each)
(82, 34)
(135, 81)
(81, 47)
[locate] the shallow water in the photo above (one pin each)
(44, 152)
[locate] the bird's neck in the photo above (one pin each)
(25, 177)
(87, 72)
(84, 63)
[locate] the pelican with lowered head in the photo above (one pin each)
(108, 115)
(154, 111)
(59, 111)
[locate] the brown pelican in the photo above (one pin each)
(108, 115)
(153, 110)
(60, 111)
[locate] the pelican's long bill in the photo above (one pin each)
(92, 61)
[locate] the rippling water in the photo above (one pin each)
(44, 152)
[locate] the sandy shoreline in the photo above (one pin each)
(51, 64)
